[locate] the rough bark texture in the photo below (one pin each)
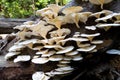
(7, 24)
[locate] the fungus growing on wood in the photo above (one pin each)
(56, 42)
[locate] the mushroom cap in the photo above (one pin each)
(90, 35)
(11, 54)
(87, 49)
(22, 58)
(107, 25)
(65, 50)
(97, 41)
(108, 17)
(42, 52)
(40, 76)
(55, 57)
(73, 9)
(90, 27)
(53, 46)
(71, 53)
(40, 60)
(48, 54)
(64, 61)
(99, 2)
(98, 14)
(113, 51)
(67, 68)
(16, 48)
(77, 57)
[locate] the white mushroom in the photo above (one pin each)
(87, 49)
(116, 15)
(53, 46)
(48, 54)
(73, 9)
(107, 25)
(65, 50)
(62, 65)
(79, 39)
(67, 68)
(90, 36)
(11, 54)
(22, 58)
(67, 58)
(26, 42)
(40, 60)
(16, 48)
(57, 72)
(60, 32)
(64, 61)
(81, 45)
(90, 27)
(98, 14)
(56, 58)
(77, 57)
(97, 41)
(71, 53)
(40, 76)
(42, 52)
(113, 51)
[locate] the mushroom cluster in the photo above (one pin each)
(99, 2)
(54, 39)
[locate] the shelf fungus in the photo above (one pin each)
(57, 40)
(100, 2)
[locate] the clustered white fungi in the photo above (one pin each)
(52, 37)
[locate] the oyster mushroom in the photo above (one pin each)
(87, 49)
(11, 54)
(55, 8)
(113, 51)
(56, 58)
(42, 52)
(39, 12)
(97, 42)
(110, 16)
(16, 48)
(106, 27)
(54, 46)
(90, 27)
(100, 2)
(77, 57)
(60, 32)
(103, 12)
(90, 36)
(71, 53)
(73, 9)
(22, 58)
(65, 50)
(41, 60)
(48, 54)
(40, 76)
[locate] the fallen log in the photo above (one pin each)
(7, 24)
